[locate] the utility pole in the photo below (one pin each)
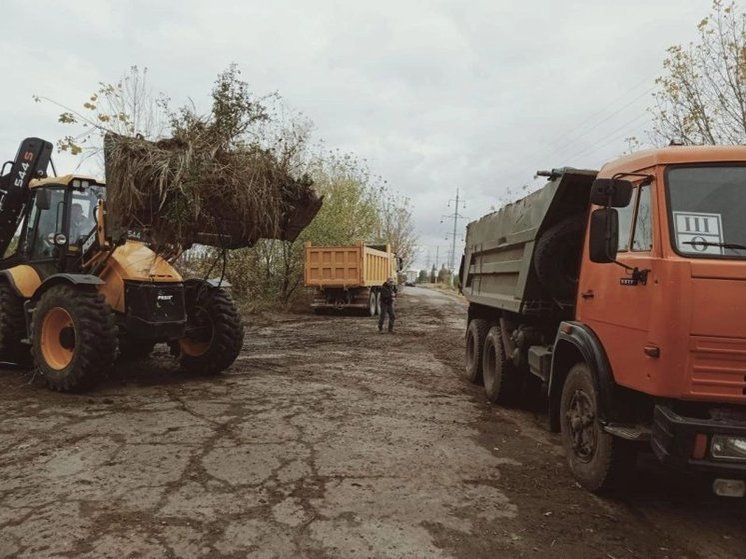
(455, 216)
(437, 257)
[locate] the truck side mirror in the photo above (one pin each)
(43, 199)
(603, 240)
(615, 193)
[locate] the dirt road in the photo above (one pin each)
(326, 439)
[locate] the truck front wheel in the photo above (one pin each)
(597, 459)
(475, 335)
(501, 378)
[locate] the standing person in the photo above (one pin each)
(388, 294)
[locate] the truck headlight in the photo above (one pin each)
(727, 447)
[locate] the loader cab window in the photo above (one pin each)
(15, 242)
(83, 213)
(43, 223)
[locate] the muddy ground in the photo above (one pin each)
(325, 439)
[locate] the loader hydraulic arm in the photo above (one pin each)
(31, 162)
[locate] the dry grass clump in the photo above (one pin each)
(196, 188)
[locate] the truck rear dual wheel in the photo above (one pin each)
(475, 336)
(598, 460)
(74, 337)
(214, 330)
(372, 304)
(501, 377)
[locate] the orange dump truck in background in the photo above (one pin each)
(622, 293)
(348, 276)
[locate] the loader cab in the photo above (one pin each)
(59, 221)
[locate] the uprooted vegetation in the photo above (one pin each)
(226, 179)
(193, 188)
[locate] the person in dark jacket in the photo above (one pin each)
(387, 294)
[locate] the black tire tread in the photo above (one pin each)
(96, 337)
(12, 327)
(371, 304)
(615, 458)
(505, 388)
(228, 334)
(478, 328)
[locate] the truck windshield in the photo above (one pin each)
(708, 205)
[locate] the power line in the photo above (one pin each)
(455, 216)
(599, 123)
(562, 139)
(609, 138)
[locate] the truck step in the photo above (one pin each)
(628, 432)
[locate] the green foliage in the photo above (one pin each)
(701, 98)
(423, 277)
(444, 275)
(350, 213)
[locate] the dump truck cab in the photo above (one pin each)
(622, 292)
(670, 322)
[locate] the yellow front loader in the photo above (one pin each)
(73, 300)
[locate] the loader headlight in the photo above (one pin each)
(60, 239)
(727, 447)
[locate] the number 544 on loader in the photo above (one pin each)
(72, 299)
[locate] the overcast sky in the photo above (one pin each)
(435, 95)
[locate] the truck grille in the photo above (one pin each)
(718, 368)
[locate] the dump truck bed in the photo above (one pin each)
(346, 266)
(496, 269)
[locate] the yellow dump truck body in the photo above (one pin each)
(347, 266)
(348, 276)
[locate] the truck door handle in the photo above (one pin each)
(587, 294)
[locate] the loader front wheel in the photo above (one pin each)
(214, 330)
(74, 338)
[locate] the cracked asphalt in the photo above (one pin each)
(325, 439)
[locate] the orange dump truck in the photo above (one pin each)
(622, 293)
(348, 277)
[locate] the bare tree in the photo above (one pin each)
(701, 98)
(396, 226)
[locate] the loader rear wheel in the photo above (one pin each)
(475, 335)
(74, 338)
(214, 330)
(12, 327)
(501, 378)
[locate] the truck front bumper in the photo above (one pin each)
(694, 443)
